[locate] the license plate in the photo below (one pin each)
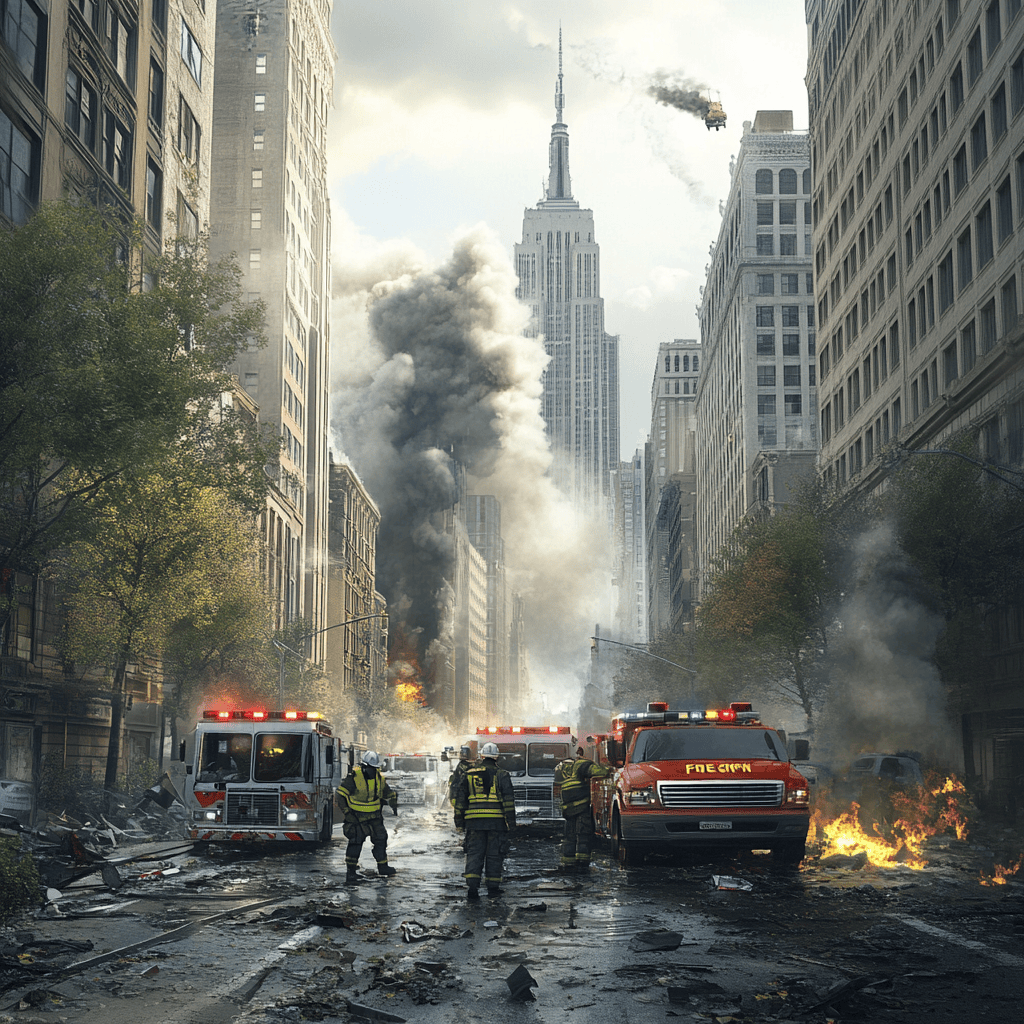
(711, 826)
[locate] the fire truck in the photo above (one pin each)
(261, 776)
(529, 754)
(414, 777)
(699, 780)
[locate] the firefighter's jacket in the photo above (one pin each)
(363, 793)
(576, 784)
(456, 777)
(485, 799)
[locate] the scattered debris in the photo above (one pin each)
(661, 938)
(371, 1013)
(728, 882)
(520, 982)
(413, 931)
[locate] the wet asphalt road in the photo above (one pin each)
(280, 937)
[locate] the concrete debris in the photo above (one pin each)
(520, 984)
(653, 941)
(413, 931)
(371, 1013)
(728, 882)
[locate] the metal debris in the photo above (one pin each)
(520, 982)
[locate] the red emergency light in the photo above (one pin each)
(516, 730)
(262, 716)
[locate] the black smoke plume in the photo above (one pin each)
(679, 93)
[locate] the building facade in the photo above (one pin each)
(558, 266)
(274, 83)
(671, 449)
(758, 389)
(917, 135)
(631, 569)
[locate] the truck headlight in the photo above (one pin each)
(797, 797)
(292, 816)
(208, 815)
(641, 796)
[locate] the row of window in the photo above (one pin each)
(669, 362)
(792, 376)
(764, 181)
(764, 316)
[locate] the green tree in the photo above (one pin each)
(652, 673)
(99, 375)
(771, 604)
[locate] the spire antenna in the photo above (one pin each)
(559, 99)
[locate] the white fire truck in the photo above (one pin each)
(529, 754)
(414, 777)
(261, 776)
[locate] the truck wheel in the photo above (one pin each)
(627, 854)
(789, 854)
(327, 830)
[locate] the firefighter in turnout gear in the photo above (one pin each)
(458, 774)
(578, 836)
(363, 793)
(485, 805)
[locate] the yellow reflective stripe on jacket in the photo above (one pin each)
(483, 802)
(368, 795)
(576, 788)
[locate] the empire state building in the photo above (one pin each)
(558, 265)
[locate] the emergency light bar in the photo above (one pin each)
(263, 716)
(517, 730)
(738, 712)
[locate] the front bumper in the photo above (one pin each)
(230, 835)
(717, 829)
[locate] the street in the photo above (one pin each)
(240, 936)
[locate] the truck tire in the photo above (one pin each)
(327, 830)
(627, 854)
(789, 854)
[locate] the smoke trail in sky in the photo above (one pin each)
(679, 93)
(439, 370)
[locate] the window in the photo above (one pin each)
(80, 108)
(974, 62)
(24, 27)
(1008, 295)
(999, 119)
(19, 171)
(120, 44)
(790, 284)
(159, 13)
(790, 316)
(89, 10)
(257, 177)
(1004, 210)
(765, 405)
(188, 132)
(188, 220)
(793, 403)
(791, 376)
(993, 29)
(912, 323)
(191, 54)
(766, 344)
(968, 351)
(952, 10)
(956, 87)
(765, 316)
(765, 284)
(787, 213)
(1017, 83)
(787, 245)
(763, 182)
(983, 234)
(255, 220)
(949, 368)
(766, 376)
(154, 194)
(979, 142)
(765, 245)
(945, 283)
(257, 138)
(787, 182)
(116, 150)
(765, 213)
(987, 317)
(254, 259)
(960, 170)
(261, 63)
(259, 103)
(676, 363)
(791, 344)
(901, 106)
(964, 264)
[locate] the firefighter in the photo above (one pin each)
(458, 773)
(485, 805)
(578, 836)
(363, 793)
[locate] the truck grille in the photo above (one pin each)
(720, 794)
(533, 794)
(255, 809)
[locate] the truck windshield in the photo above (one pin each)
(278, 757)
(410, 764)
(225, 757)
(512, 757)
(701, 742)
(544, 757)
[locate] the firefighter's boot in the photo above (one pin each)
(352, 874)
(385, 870)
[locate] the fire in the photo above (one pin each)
(409, 691)
(904, 821)
(404, 669)
(1001, 873)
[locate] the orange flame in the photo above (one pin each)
(1001, 873)
(916, 816)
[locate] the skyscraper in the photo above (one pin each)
(275, 78)
(558, 264)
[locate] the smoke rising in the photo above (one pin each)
(679, 93)
(435, 374)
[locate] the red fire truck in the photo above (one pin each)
(261, 776)
(699, 780)
(529, 754)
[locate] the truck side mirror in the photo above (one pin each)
(444, 755)
(801, 750)
(329, 754)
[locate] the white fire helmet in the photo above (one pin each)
(371, 759)
(489, 750)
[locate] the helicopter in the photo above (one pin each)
(715, 116)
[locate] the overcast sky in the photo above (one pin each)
(443, 112)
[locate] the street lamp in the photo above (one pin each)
(284, 649)
(640, 650)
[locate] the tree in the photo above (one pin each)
(98, 375)
(770, 608)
